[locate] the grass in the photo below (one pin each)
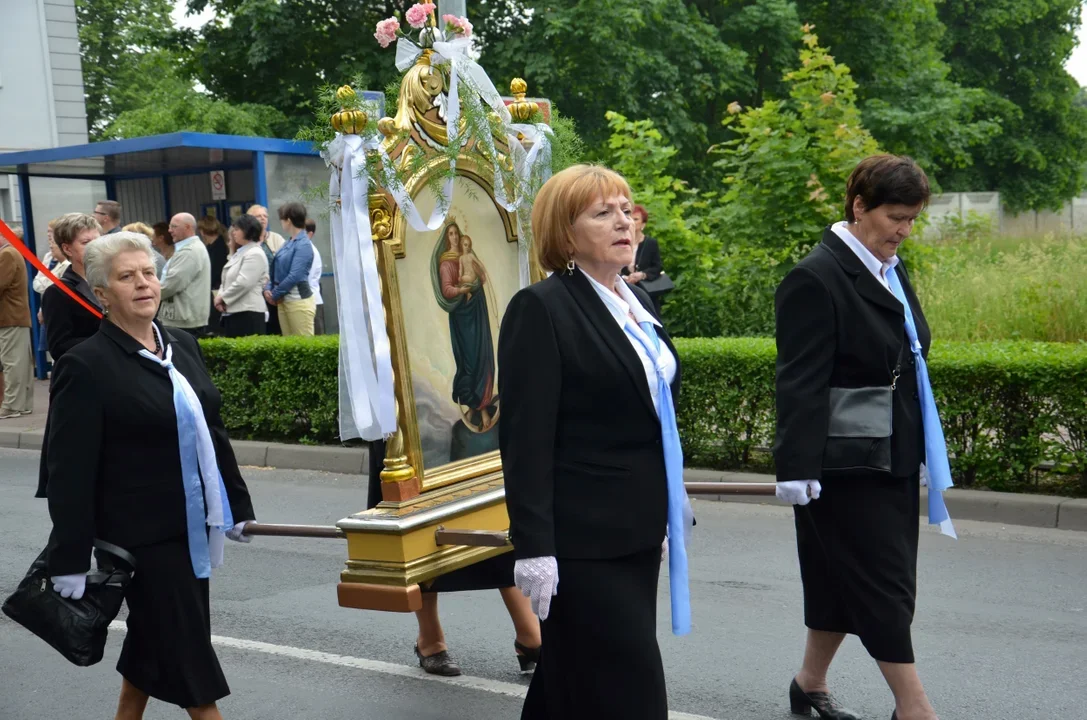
(1000, 288)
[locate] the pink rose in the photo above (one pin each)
(417, 14)
(386, 31)
(458, 25)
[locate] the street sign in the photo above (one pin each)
(218, 185)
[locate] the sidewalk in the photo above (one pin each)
(1008, 508)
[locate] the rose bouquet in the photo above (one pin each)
(422, 26)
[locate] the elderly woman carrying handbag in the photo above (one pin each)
(858, 434)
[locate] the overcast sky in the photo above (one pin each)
(1077, 64)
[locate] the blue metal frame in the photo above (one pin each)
(260, 182)
(157, 142)
(41, 367)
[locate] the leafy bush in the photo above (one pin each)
(1007, 408)
(277, 388)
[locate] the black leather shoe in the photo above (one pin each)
(438, 663)
(527, 657)
(823, 703)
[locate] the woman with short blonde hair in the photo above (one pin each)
(593, 470)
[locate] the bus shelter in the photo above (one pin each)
(157, 176)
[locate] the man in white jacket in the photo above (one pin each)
(186, 280)
(315, 271)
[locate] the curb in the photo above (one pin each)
(1044, 511)
(354, 461)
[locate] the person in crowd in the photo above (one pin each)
(186, 280)
(16, 359)
(213, 234)
(163, 243)
(647, 265)
(271, 242)
(315, 272)
(241, 291)
(108, 215)
(848, 320)
(131, 410)
(288, 285)
(149, 232)
(591, 458)
(71, 322)
(56, 263)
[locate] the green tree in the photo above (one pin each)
(125, 46)
(658, 59)
(173, 105)
(1016, 50)
(907, 99)
(785, 181)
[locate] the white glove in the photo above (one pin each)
(924, 475)
(237, 533)
(795, 492)
(538, 579)
(70, 586)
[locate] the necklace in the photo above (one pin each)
(158, 343)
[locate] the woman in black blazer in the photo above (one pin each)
(586, 484)
(69, 322)
(126, 444)
(647, 265)
(840, 324)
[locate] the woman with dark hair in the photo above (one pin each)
(858, 435)
(212, 233)
(240, 299)
(162, 242)
(288, 286)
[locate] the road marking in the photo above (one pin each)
(465, 681)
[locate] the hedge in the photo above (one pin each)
(1009, 408)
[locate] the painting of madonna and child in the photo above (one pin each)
(455, 283)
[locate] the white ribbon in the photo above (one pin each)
(367, 408)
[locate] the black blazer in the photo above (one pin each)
(67, 323)
(647, 259)
(113, 467)
(580, 439)
(837, 326)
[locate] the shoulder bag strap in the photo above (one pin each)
(115, 550)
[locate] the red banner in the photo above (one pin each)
(12, 238)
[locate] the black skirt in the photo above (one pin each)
(167, 652)
(600, 657)
(858, 561)
(241, 324)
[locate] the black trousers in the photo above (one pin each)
(600, 657)
(241, 324)
(319, 320)
(858, 561)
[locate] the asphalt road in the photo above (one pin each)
(1001, 627)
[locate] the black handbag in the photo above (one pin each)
(74, 628)
(663, 284)
(860, 427)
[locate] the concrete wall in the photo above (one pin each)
(1072, 218)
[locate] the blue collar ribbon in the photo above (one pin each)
(680, 515)
(939, 470)
(207, 509)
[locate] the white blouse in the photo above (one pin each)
(622, 305)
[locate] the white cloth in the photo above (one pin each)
(70, 586)
(795, 492)
(315, 270)
(877, 267)
(237, 533)
(41, 282)
(622, 305)
(244, 277)
(538, 579)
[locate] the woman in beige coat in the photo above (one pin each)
(240, 297)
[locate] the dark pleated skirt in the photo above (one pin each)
(600, 657)
(858, 561)
(242, 324)
(167, 652)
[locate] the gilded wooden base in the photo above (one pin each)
(392, 548)
(365, 596)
